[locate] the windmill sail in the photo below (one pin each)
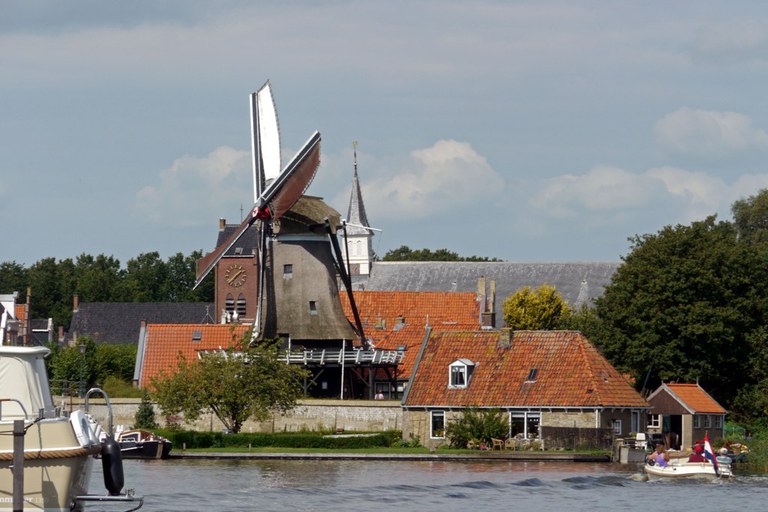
(277, 199)
(265, 140)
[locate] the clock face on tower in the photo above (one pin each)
(235, 275)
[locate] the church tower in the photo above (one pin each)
(359, 235)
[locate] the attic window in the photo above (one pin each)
(238, 250)
(532, 375)
(197, 335)
(312, 307)
(459, 373)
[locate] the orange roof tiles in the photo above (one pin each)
(20, 311)
(570, 372)
(166, 343)
(698, 400)
(393, 319)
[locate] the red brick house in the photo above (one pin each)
(537, 379)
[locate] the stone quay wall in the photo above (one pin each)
(308, 415)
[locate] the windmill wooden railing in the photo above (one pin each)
(346, 357)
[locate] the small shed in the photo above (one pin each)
(683, 413)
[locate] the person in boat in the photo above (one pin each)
(659, 456)
(697, 455)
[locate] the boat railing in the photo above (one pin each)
(106, 398)
(21, 406)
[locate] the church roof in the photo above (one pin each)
(578, 282)
(356, 212)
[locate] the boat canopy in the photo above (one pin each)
(24, 381)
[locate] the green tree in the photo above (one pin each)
(682, 304)
(405, 253)
(98, 278)
(145, 414)
(145, 278)
(750, 217)
(477, 425)
(540, 309)
(13, 278)
(236, 384)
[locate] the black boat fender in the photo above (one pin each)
(112, 464)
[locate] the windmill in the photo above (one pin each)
(291, 228)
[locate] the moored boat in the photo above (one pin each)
(143, 444)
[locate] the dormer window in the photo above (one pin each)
(532, 375)
(459, 373)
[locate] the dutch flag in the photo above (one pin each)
(709, 454)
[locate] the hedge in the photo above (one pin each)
(192, 439)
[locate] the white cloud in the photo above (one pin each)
(608, 195)
(447, 177)
(708, 133)
(600, 189)
(194, 190)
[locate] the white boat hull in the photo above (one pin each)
(56, 466)
(688, 469)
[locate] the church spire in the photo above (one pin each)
(356, 212)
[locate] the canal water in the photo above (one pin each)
(404, 486)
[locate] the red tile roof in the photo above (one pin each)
(570, 372)
(393, 319)
(20, 311)
(165, 343)
(698, 400)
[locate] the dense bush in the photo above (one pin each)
(477, 425)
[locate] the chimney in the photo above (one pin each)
(222, 223)
(75, 303)
(486, 300)
(505, 337)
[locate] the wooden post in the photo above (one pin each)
(18, 465)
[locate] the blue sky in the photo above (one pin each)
(527, 131)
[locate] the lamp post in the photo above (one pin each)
(81, 391)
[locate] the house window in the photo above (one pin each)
(708, 419)
(288, 271)
(241, 305)
(654, 421)
(616, 427)
(718, 422)
(197, 335)
(437, 425)
(312, 307)
(635, 421)
(524, 424)
(532, 375)
(459, 373)
(697, 421)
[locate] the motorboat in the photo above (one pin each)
(143, 444)
(55, 450)
(678, 469)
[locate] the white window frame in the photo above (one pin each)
(718, 421)
(654, 421)
(526, 416)
(708, 421)
(462, 368)
(433, 415)
(697, 421)
(616, 427)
